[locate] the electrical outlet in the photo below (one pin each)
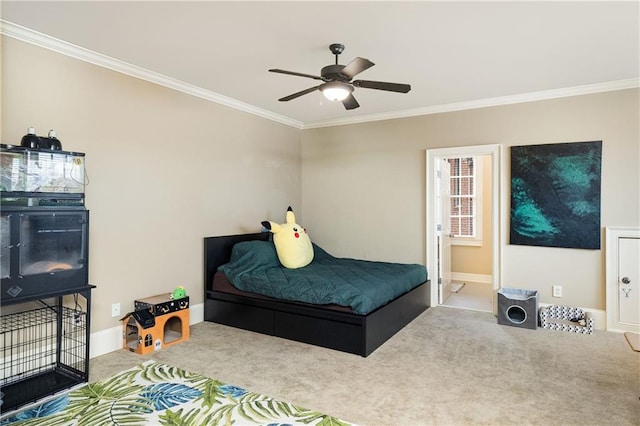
(557, 291)
(115, 310)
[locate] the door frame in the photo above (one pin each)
(612, 234)
(495, 151)
(442, 196)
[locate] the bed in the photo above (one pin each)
(329, 325)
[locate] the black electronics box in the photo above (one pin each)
(161, 304)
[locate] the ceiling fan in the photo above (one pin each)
(337, 84)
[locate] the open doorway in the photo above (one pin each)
(453, 245)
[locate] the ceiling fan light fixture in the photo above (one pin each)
(338, 83)
(336, 90)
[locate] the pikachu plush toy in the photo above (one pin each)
(292, 242)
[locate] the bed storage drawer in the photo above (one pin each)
(323, 332)
(386, 321)
(239, 315)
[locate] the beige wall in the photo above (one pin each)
(165, 169)
(363, 185)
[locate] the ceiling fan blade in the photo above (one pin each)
(350, 102)
(298, 94)
(356, 67)
(381, 85)
(299, 74)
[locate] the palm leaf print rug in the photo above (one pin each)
(153, 393)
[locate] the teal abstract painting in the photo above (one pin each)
(555, 195)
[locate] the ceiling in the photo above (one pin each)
(454, 54)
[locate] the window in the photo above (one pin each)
(465, 187)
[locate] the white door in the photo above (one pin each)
(629, 281)
(622, 279)
(443, 203)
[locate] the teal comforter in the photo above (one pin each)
(360, 284)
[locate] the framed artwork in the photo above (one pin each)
(555, 195)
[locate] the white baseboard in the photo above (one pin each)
(474, 278)
(110, 339)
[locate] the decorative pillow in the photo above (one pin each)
(252, 255)
(293, 245)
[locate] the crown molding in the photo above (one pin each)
(60, 46)
(27, 35)
(588, 89)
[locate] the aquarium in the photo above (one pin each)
(39, 170)
(43, 252)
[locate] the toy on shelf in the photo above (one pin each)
(178, 293)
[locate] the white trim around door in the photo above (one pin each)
(495, 151)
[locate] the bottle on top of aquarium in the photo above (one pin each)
(30, 140)
(54, 142)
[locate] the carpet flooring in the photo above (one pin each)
(447, 367)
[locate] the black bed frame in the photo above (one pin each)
(343, 331)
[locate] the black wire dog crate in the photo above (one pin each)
(45, 350)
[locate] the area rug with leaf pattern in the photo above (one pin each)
(153, 393)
